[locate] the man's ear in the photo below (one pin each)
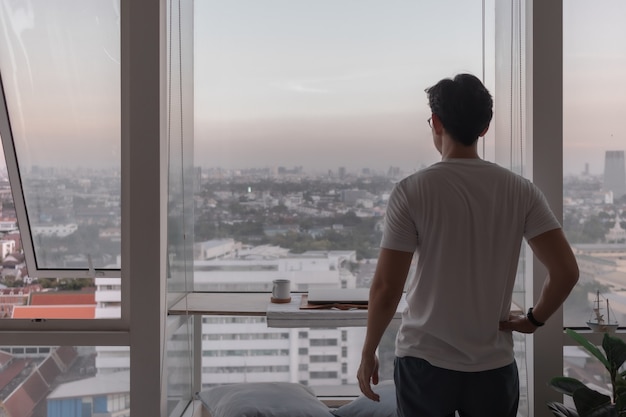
(437, 125)
(484, 132)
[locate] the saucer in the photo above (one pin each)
(280, 300)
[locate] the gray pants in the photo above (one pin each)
(423, 390)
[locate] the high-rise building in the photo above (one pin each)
(615, 174)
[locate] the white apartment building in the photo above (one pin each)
(6, 247)
(59, 230)
(8, 226)
(108, 296)
(242, 348)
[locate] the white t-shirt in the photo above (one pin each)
(466, 219)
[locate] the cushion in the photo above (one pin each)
(263, 399)
(364, 407)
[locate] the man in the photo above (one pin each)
(465, 218)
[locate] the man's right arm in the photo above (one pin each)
(555, 253)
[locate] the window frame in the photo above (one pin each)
(143, 297)
(15, 178)
(111, 326)
(100, 331)
(144, 168)
(144, 212)
(545, 150)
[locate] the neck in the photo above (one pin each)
(452, 149)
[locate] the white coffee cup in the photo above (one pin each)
(281, 289)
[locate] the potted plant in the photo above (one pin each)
(588, 402)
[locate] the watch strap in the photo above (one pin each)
(531, 318)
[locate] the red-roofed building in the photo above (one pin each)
(17, 296)
(66, 356)
(55, 312)
(36, 387)
(19, 403)
(24, 399)
(63, 298)
(11, 371)
(58, 305)
(5, 359)
(49, 370)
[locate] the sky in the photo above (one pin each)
(594, 86)
(327, 83)
(319, 84)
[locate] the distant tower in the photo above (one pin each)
(616, 234)
(615, 173)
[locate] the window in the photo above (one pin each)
(63, 101)
(68, 27)
(52, 376)
(323, 375)
(299, 136)
(323, 358)
(594, 174)
(310, 115)
(594, 185)
(323, 342)
(232, 187)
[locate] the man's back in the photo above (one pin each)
(466, 218)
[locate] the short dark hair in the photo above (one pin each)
(464, 106)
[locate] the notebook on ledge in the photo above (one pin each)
(338, 295)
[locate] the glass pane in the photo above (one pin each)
(594, 188)
(178, 348)
(305, 115)
(181, 171)
(239, 349)
(178, 363)
(59, 381)
(60, 67)
(23, 296)
(86, 298)
(579, 364)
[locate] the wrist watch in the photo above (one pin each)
(532, 318)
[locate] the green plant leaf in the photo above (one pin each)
(590, 403)
(605, 411)
(615, 350)
(591, 348)
(560, 410)
(565, 385)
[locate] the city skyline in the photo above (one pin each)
(592, 163)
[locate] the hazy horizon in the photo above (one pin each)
(322, 84)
